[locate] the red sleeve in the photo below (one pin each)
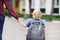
(10, 9)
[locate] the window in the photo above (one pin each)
(32, 10)
(42, 10)
(56, 7)
(23, 9)
(42, 5)
(56, 10)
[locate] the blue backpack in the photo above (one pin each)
(36, 31)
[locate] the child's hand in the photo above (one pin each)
(21, 22)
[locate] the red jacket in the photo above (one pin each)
(8, 6)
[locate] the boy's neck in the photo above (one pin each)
(37, 19)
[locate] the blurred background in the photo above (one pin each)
(50, 15)
(50, 8)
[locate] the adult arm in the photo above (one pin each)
(10, 9)
(22, 23)
(26, 25)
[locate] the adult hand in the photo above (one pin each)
(21, 22)
(18, 20)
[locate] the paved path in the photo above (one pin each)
(52, 31)
(14, 31)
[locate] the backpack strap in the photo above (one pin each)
(29, 32)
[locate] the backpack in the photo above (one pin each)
(36, 31)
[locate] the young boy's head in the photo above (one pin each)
(36, 14)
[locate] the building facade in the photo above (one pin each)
(15, 5)
(27, 6)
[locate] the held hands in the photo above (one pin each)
(21, 22)
(18, 20)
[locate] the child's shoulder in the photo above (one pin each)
(35, 20)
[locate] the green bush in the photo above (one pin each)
(50, 18)
(7, 13)
(24, 15)
(19, 14)
(45, 17)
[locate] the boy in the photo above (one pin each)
(36, 20)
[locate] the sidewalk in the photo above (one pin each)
(14, 31)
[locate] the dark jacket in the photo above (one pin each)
(8, 6)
